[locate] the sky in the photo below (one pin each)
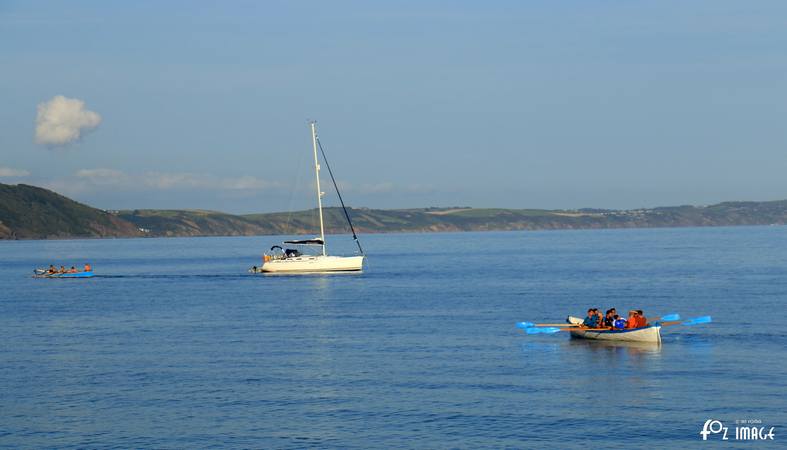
(517, 104)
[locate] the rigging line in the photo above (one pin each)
(292, 194)
(344, 208)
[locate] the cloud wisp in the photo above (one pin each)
(101, 176)
(62, 120)
(165, 181)
(385, 187)
(8, 172)
(162, 181)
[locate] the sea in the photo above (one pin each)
(174, 344)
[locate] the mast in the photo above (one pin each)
(317, 175)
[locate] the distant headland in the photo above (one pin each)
(30, 212)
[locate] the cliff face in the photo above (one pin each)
(201, 223)
(155, 222)
(30, 212)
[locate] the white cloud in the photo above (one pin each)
(63, 120)
(248, 183)
(173, 180)
(378, 188)
(89, 181)
(99, 173)
(165, 181)
(385, 187)
(13, 173)
(103, 175)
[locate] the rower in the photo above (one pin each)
(643, 321)
(62, 269)
(88, 268)
(609, 319)
(591, 321)
(633, 321)
(72, 270)
(52, 269)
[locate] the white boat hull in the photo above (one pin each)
(650, 334)
(314, 264)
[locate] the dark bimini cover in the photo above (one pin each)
(306, 242)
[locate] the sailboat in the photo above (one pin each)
(287, 260)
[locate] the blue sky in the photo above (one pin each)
(542, 104)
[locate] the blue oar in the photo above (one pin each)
(547, 330)
(693, 321)
(698, 320)
(669, 317)
(529, 325)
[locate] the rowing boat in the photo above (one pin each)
(64, 275)
(651, 333)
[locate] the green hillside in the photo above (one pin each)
(193, 223)
(30, 212)
(161, 222)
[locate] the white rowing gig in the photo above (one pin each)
(650, 333)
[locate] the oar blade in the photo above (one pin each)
(698, 320)
(547, 330)
(525, 325)
(670, 317)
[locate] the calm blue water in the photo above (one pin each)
(177, 346)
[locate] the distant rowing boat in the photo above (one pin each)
(651, 333)
(39, 274)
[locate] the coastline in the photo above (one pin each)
(30, 212)
(367, 232)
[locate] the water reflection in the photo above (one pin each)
(590, 370)
(600, 358)
(591, 349)
(697, 345)
(612, 357)
(540, 347)
(618, 349)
